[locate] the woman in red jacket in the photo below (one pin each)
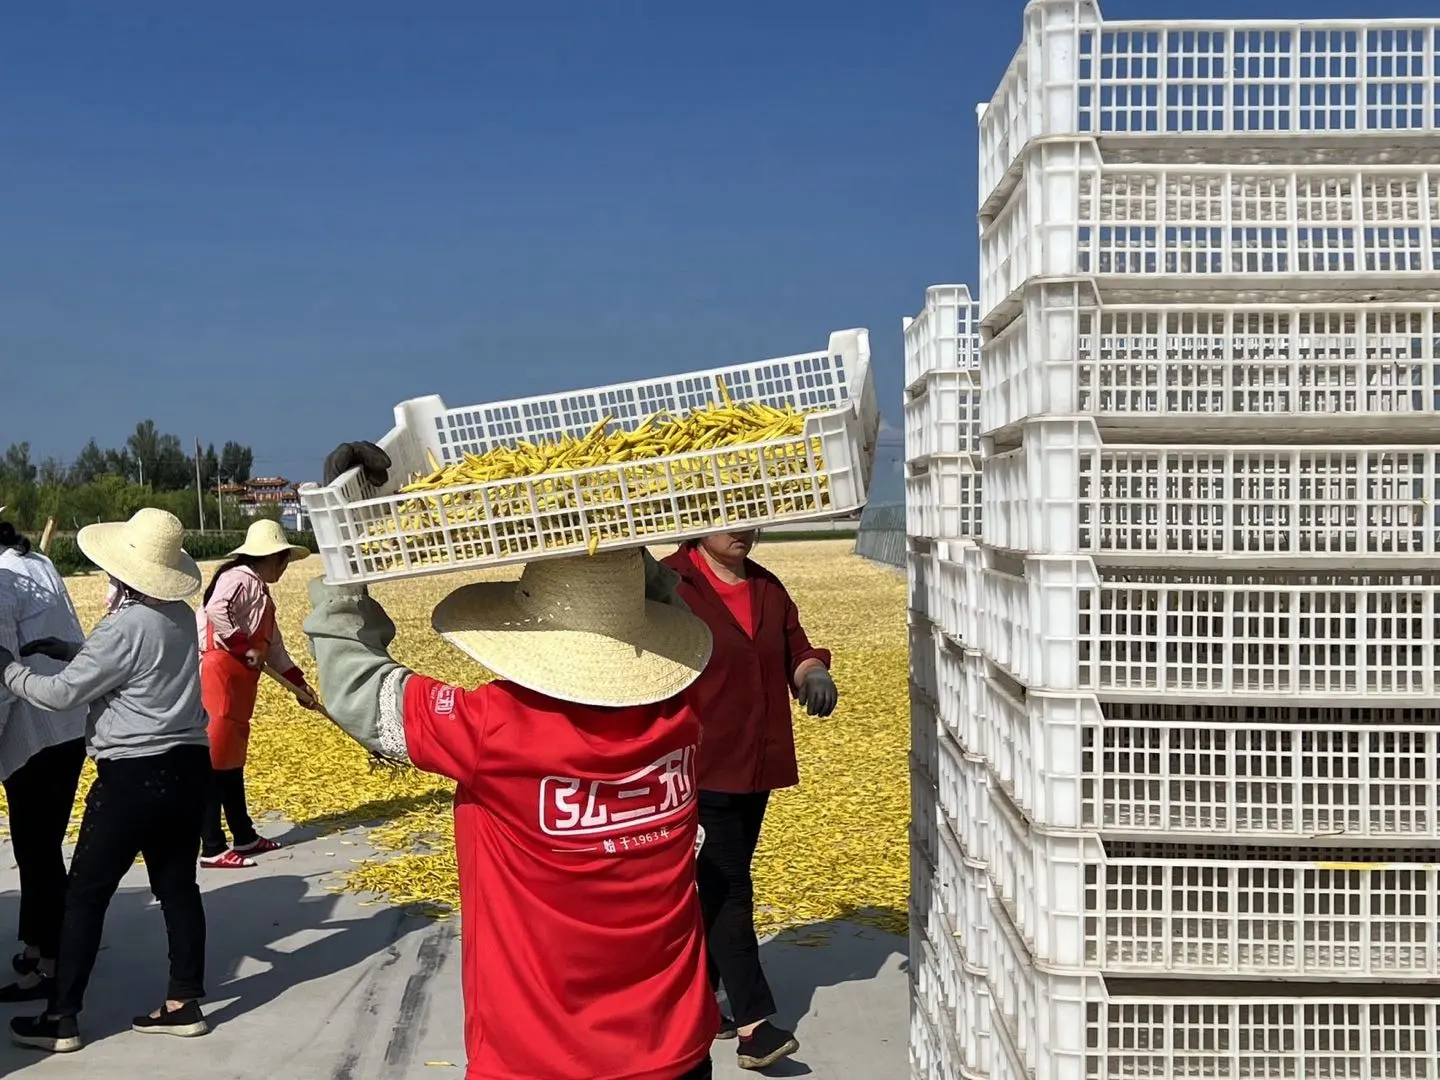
(761, 657)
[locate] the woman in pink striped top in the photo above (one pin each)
(238, 638)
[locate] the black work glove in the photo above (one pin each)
(53, 647)
(373, 462)
(818, 693)
(6, 658)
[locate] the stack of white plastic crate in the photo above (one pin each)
(1206, 600)
(942, 461)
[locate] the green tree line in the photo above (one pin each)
(152, 468)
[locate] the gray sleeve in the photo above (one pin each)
(362, 687)
(660, 582)
(103, 663)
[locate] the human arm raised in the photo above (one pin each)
(105, 661)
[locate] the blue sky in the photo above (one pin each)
(272, 221)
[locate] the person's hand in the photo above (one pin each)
(305, 697)
(53, 647)
(818, 693)
(254, 658)
(373, 462)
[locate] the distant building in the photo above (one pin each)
(263, 492)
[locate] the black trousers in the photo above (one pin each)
(227, 792)
(727, 899)
(704, 1071)
(149, 806)
(41, 794)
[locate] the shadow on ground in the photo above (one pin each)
(377, 812)
(812, 970)
(265, 936)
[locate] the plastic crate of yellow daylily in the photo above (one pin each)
(650, 462)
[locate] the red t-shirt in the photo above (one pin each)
(583, 951)
(735, 595)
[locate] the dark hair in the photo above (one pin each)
(9, 538)
(229, 564)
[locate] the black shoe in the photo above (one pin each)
(186, 1022)
(41, 1032)
(727, 1028)
(39, 990)
(764, 1046)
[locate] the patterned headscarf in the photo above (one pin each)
(118, 595)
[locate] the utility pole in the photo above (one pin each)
(220, 500)
(199, 488)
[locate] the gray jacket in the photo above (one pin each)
(138, 675)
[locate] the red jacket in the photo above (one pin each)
(743, 696)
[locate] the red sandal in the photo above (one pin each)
(230, 860)
(260, 846)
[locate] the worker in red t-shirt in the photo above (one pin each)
(761, 659)
(583, 952)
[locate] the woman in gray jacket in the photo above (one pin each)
(138, 675)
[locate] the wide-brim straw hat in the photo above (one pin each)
(579, 629)
(266, 537)
(146, 553)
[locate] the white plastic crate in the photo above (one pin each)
(963, 787)
(924, 674)
(949, 955)
(942, 416)
(939, 552)
(1065, 491)
(1210, 773)
(921, 566)
(1297, 226)
(945, 336)
(960, 675)
(963, 890)
(1257, 368)
(958, 575)
(1072, 1027)
(1302, 82)
(368, 534)
(966, 995)
(1149, 910)
(927, 917)
(974, 1026)
(933, 1052)
(942, 498)
(925, 771)
(924, 818)
(927, 994)
(922, 559)
(1057, 623)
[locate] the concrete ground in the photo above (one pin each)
(307, 984)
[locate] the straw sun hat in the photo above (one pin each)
(579, 629)
(266, 537)
(146, 553)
